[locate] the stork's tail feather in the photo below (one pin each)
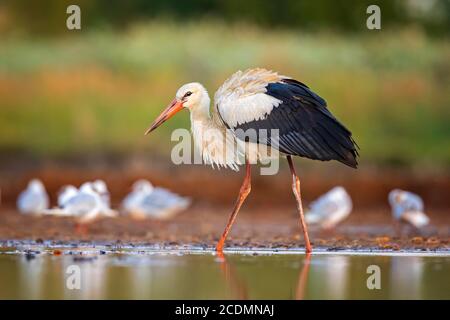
(350, 159)
(352, 155)
(340, 140)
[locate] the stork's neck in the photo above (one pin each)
(201, 120)
(210, 137)
(200, 112)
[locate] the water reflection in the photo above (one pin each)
(93, 273)
(31, 275)
(156, 276)
(303, 278)
(236, 286)
(239, 289)
(337, 277)
(408, 276)
(141, 279)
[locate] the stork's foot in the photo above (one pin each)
(219, 247)
(220, 255)
(308, 248)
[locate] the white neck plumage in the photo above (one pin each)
(210, 136)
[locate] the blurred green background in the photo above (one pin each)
(97, 89)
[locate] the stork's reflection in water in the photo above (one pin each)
(235, 284)
(303, 278)
(238, 287)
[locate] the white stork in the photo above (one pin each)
(259, 99)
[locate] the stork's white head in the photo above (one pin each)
(192, 96)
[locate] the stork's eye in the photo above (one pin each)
(187, 94)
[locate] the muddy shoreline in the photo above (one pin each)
(268, 219)
(201, 226)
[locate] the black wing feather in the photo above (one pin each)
(306, 127)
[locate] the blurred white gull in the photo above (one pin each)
(147, 201)
(65, 193)
(84, 204)
(34, 199)
(330, 209)
(408, 207)
(101, 188)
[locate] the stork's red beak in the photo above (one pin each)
(170, 111)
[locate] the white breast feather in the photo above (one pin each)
(217, 145)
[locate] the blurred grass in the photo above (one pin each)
(99, 90)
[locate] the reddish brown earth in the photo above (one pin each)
(264, 228)
(268, 219)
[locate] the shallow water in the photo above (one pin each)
(206, 276)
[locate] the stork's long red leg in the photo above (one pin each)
(243, 193)
(298, 197)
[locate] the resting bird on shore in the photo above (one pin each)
(330, 209)
(101, 188)
(258, 114)
(408, 207)
(65, 194)
(86, 205)
(34, 199)
(147, 201)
